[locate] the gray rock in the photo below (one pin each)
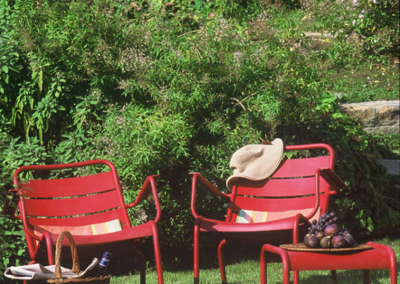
(392, 166)
(376, 117)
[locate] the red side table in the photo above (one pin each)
(364, 257)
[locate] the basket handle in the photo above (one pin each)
(75, 259)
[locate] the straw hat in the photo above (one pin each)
(255, 162)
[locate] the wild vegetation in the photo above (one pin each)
(167, 88)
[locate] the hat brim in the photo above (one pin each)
(269, 162)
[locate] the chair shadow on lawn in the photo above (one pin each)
(182, 262)
(344, 276)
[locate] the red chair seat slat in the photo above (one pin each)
(274, 205)
(277, 187)
(210, 225)
(302, 167)
(133, 233)
(72, 206)
(62, 187)
(80, 220)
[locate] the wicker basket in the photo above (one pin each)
(75, 265)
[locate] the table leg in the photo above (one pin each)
(296, 277)
(366, 277)
(285, 263)
(334, 276)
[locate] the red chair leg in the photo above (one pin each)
(49, 247)
(221, 261)
(142, 261)
(196, 252)
(263, 268)
(157, 253)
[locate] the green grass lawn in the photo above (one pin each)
(247, 270)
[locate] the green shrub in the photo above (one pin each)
(376, 22)
(14, 252)
(177, 87)
(388, 145)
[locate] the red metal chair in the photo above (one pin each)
(90, 206)
(276, 210)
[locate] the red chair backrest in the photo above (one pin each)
(289, 191)
(56, 204)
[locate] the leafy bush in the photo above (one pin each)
(388, 145)
(13, 253)
(376, 22)
(172, 88)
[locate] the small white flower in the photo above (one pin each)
(354, 22)
(361, 16)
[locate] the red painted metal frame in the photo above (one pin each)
(104, 184)
(260, 232)
(379, 257)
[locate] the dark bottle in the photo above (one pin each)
(103, 263)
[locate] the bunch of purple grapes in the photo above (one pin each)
(326, 233)
(324, 221)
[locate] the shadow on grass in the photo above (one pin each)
(182, 260)
(344, 276)
(235, 257)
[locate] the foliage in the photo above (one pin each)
(388, 145)
(172, 87)
(376, 22)
(13, 253)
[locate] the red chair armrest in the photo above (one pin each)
(334, 181)
(199, 179)
(149, 186)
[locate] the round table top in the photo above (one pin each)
(302, 247)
